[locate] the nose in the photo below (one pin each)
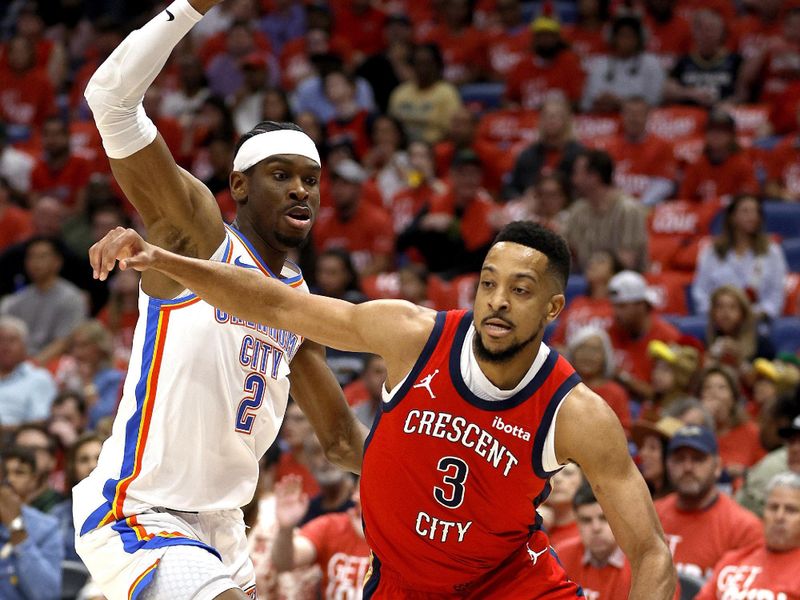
(498, 299)
(297, 190)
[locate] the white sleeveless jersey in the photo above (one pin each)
(204, 397)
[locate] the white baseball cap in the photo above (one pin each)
(630, 286)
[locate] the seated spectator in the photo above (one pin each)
(723, 169)
(550, 69)
(81, 460)
(354, 225)
(603, 217)
(701, 524)
(387, 69)
(507, 40)
(414, 284)
(565, 484)
(121, 313)
(60, 173)
(773, 398)
(422, 185)
(595, 307)
(742, 255)
(87, 368)
(42, 495)
(335, 485)
(646, 168)
(50, 306)
(27, 97)
(594, 560)
(349, 122)
(627, 72)
(783, 166)
(15, 166)
(455, 233)
(275, 106)
(652, 439)
(709, 74)
(212, 121)
(690, 411)
(31, 541)
(247, 101)
(588, 36)
(554, 151)
(591, 354)
(758, 29)
(26, 391)
(295, 430)
(770, 569)
(365, 393)
(668, 33)
(737, 436)
(425, 105)
(284, 22)
(15, 222)
(336, 277)
(635, 326)
(463, 45)
(546, 202)
(68, 418)
(335, 542)
(674, 370)
(362, 23)
(752, 494)
(191, 91)
(387, 159)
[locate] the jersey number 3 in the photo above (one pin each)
(455, 474)
(254, 385)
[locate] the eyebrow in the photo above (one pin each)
(282, 159)
(492, 270)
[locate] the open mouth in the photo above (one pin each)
(299, 216)
(497, 327)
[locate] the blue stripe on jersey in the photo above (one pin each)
(133, 424)
(257, 257)
(547, 419)
(371, 585)
(132, 543)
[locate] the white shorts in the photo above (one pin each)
(123, 556)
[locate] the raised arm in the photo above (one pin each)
(394, 329)
(589, 434)
(180, 213)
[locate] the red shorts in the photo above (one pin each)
(529, 573)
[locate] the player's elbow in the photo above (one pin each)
(345, 451)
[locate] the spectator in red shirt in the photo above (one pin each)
(508, 41)
(294, 432)
(551, 67)
(362, 23)
(546, 202)
(723, 169)
(350, 123)
(365, 394)
(591, 354)
(423, 185)
(761, 27)
(646, 168)
(739, 443)
(26, 94)
(770, 570)
(674, 370)
(587, 36)
(783, 167)
(635, 325)
(463, 46)
(651, 439)
(386, 70)
(333, 541)
(594, 560)
(60, 173)
(669, 34)
(361, 228)
(701, 524)
(565, 484)
(15, 222)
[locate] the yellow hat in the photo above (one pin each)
(664, 428)
(544, 24)
(784, 375)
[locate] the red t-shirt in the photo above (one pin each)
(751, 36)
(705, 181)
(530, 82)
(26, 98)
(342, 554)
(352, 131)
(611, 582)
(741, 445)
(587, 43)
(636, 164)
(504, 51)
(15, 225)
(617, 398)
(64, 183)
(632, 355)
(289, 465)
(475, 228)
(407, 203)
(580, 313)
(364, 30)
(463, 51)
(668, 40)
(783, 165)
(296, 65)
(782, 68)
(755, 573)
(561, 534)
(368, 234)
(698, 539)
(356, 392)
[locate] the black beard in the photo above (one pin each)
(503, 356)
(289, 241)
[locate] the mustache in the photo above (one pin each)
(498, 317)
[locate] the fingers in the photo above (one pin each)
(118, 243)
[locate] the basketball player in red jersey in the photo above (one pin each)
(478, 415)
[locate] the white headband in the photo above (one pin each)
(270, 143)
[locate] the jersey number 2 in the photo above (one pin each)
(255, 385)
(456, 471)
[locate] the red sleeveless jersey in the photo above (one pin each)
(451, 482)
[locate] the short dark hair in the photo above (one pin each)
(68, 395)
(51, 442)
(265, 127)
(54, 243)
(436, 54)
(584, 496)
(545, 241)
(24, 455)
(601, 163)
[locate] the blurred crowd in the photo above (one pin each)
(661, 138)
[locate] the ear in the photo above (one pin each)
(555, 306)
(240, 186)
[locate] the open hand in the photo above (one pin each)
(291, 503)
(123, 245)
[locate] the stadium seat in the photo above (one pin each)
(791, 288)
(382, 285)
(690, 586)
(482, 96)
(589, 128)
(576, 286)
(676, 230)
(693, 325)
(785, 334)
(791, 248)
(73, 577)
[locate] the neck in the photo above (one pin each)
(636, 137)
(346, 212)
(506, 375)
(57, 160)
(700, 503)
(601, 560)
(563, 515)
(45, 284)
(599, 290)
(601, 198)
(741, 241)
(273, 257)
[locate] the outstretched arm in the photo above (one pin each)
(180, 213)
(394, 329)
(619, 488)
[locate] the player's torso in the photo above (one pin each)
(449, 487)
(204, 397)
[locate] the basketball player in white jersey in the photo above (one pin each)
(205, 392)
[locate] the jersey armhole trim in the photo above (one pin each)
(548, 422)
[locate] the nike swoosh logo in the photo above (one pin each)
(238, 262)
(170, 16)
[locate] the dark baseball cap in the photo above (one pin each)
(792, 430)
(466, 156)
(719, 119)
(700, 438)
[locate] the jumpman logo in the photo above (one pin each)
(425, 382)
(535, 555)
